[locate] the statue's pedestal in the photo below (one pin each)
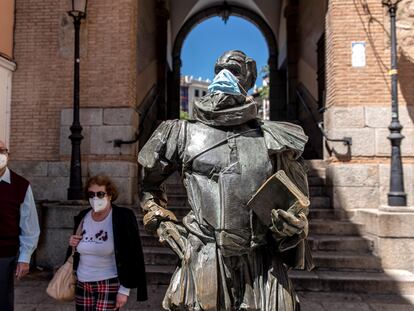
(392, 231)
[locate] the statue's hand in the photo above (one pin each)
(155, 215)
(285, 224)
(174, 235)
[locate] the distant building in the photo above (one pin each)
(191, 90)
(261, 97)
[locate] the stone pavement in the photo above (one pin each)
(30, 295)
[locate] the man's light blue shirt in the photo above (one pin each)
(29, 223)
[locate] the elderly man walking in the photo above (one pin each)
(19, 228)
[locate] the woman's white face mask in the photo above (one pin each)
(98, 204)
(3, 160)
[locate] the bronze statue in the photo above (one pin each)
(229, 260)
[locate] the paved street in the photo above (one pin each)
(31, 296)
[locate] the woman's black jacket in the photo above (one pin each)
(128, 250)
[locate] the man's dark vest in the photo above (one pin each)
(11, 197)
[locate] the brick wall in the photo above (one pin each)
(359, 101)
(349, 21)
(43, 82)
(360, 98)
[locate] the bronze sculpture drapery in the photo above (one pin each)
(228, 259)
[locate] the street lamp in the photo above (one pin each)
(396, 196)
(75, 192)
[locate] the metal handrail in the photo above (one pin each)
(347, 141)
(119, 142)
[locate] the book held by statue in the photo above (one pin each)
(277, 192)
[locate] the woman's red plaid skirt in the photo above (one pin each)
(96, 296)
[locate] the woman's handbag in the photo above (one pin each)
(62, 285)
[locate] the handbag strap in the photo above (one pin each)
(78, 232)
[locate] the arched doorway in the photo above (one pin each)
(277, 86)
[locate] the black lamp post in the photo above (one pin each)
(75, 192)
(396, 196)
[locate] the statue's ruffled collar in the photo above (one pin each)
(224, 110)
(232, 110)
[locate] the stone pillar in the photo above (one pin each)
(291, 14)
(277, 91)
(174, 104)
(6, 72)
(162, 29)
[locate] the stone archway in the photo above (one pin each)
(277, 86)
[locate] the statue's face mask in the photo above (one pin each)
(225, 91)
(241, 66)
(225, 82)
(227, 103)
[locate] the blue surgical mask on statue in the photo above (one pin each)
(225, 82)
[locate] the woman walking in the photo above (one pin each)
(108, 260)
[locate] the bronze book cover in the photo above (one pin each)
(277, 192)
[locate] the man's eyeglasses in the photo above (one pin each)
(99, 194)
(4, 151)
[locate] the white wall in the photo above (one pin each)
(6, 71)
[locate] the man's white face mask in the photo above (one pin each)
(3, 160)
(98, 204)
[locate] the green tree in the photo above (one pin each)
(184, 115)
(264, 90)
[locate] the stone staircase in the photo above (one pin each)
(343, 257)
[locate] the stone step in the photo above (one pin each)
(323, 260)
(320, 202)
(361, 282)
(317, 191)
(179, 190)
(160, 256)
(346, 260)
(316, 164)
(334, 227)
(317, 172)
(175, 190)
(316, 181)
(339, 243)
(159, 274)
(321, 213)
(149, 240)
(180, 200)
(177, 200)
(317, 242)
(315, 214)
(387, 282)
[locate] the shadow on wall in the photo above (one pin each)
(347, 264)
(406, 78)
(343, 154)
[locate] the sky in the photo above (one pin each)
(208, 40)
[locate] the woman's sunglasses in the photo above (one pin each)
(99, 194)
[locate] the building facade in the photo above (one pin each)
(191, 91)
(328, 64)
(261, 97)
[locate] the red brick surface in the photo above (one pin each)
(349, 21)
(42, 84)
